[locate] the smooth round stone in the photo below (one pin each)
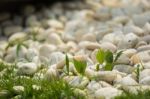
(146, 65)
(32, 21)
(131, 10)
(89, 37)
(124, 68)
(114, 38)
(80, 92)
(56, 57)
(78, 82)
(129, 41)
(115, 12)
(121, 19)
(90, 73)
(31, 53)
(146, 28)
(105, 84)
(63, 48)
(12, 54)
(54, 38)
(55, 24)
(142, 19)
(140, 44)
(27, 68)
(123, 59)
(107, 76)
(18, 89)
(89, 45)
(46, 49)
(145, 38)
(128, 81)
(93, 86)
(102, 31)
(72, 46)
(135, 59)
(144, 73)
(93, 54)
(135, 89)
(9, 30)
(4, 94)
(51, 74)
(134, 29)
(130, 52)
(107, 93)
(144, 55)
(145, 81)
(17, 37)
(108, 46)
(103, 14)
(143, 48)
(75, 29)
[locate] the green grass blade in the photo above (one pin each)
(67, 64)
(109, 57)
(80, 66)
(108, 67)
(100, 56)
(118, 55)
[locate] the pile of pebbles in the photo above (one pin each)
(40, 39)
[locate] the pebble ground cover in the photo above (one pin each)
(90, 49)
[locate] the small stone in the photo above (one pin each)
(144, 73)
(107, 93)
(143, 48)
(129, 41)
(51, 74)
(146, 65)
(135, 59)
(130, 52)
(93, 86)
(17, 37)
(105, 84)
(18, 89)
(56, 57)
(78, 82)
(146, 28)
(108, 46)
(135, 88)
(140, 44)
(89, 45)
(142, 19)
(107, 76)
(54, 38)
(31, 53)
(128, 81)
(123, 59)
(145, 81)
(146, 38)
(12, 29)
(124, 68)
(134, 29)
(55, 24)
(144, 56)
(89, 37)
(46, 49)
(27, 68)
(90, 73)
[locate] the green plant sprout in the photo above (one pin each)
(107, 59)
(80, 66)
(67, 64)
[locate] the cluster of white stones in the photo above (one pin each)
(81, 28)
